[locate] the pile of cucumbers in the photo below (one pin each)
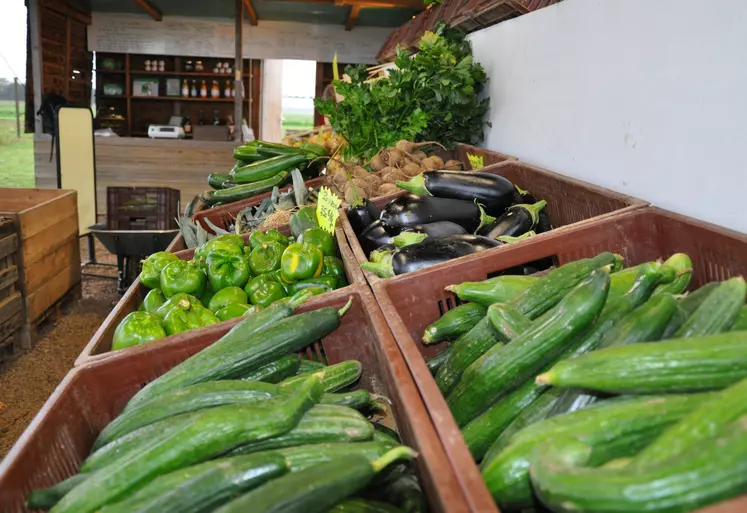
(247, 425)
(227, 279)
(600, 389)
(260, 166)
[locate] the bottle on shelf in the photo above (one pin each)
(218, 68)
(161, 65)
(203, 90)
(201, 117)
(199, 66)
(215, 90)
(227, 67)
(185, 89)
(216, 117)
(147, 65)
(193, 91)
(227, 89)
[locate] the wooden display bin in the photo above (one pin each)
(46, 223)
(12, 335)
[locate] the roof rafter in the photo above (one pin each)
(250, 13)
(153, 11)
(352, 17)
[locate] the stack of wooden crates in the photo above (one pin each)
(13, 337)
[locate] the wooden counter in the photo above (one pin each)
(136, 162)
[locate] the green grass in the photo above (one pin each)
(296, 122)
(16, 155)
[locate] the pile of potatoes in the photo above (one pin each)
(400, 163)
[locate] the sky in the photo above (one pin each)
(13, 39)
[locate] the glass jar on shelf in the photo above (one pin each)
(199, 66)
(147, 64)
(188, 66)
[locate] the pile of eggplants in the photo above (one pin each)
(448, 214)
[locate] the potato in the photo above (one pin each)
(437, 161)
(393, 157)
(377, 163)
(385, 171)
(375, 182)
(453, 165)
(360, 184)
(359, 172)
(429, 164)
(394, 176)
(387, 188)
(405, 146)
(418, 156)
(411, 169)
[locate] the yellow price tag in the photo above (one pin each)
(326, 209)
(476, 161)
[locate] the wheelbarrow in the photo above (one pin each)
(131, 246)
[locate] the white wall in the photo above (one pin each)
(272, 101)
(647, 97)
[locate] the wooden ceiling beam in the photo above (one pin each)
(153, 11)
(402, 4)
(352, 17)
(250, 13)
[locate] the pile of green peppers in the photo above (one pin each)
(228, 279)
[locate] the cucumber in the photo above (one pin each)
(716, 471)
(277, 371)
(185, 400)
(482, 432)
(236, 354)
(305, 456)
(549, 290)
(693, 300)
(392, 434)
(702, 363)
(694, 429)
(533, 413)
(380, 436)
(454, 323)
(437, 361)
(740, 323)
(323, 423)
(360, 399)
(644, 324)
(504, 323)
(316, 489)
(334, 377)
(678, 319)
(210, 433)
(622, 281)
(45, 498)
(308, 366)
(404, 491)
(717, 312)
(501, 370)
(493, 290)
(683, 267)
(364, 506)
(203, 487)
(614, 429)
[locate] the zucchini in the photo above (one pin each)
(364, 506)
(717, 312)
(502, 324)
(203, 487)
(360, 399)
(277, 371)
(493, 290)
(248, 346)
(209, 433)
(268, 169)
(740, 323)
(46, 498)
(220, 180)
(454, 323)
(702, 363)
(316, 489)
(437, 361)
(185, 400)
(324, 423)
(533, 413)
(644, 324)
(694, 429)
(547, 291)
(716, 471)
(683, 267)
(308, 366)
(503, 369)
(270, 150)
(243, 191)
(613, 428)
(334, 377)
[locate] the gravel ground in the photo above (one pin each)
(28, 381)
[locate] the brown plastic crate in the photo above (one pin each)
(60, 436)
(99, 347)
(411, 302)
(569, 201)
(141, 208)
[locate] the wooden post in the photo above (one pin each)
(36, 60)
(238, 101)
(18, 112)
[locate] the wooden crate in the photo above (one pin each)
(46, 222)
(13, 336)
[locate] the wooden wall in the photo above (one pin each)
(143, 162)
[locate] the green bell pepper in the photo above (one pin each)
(301, 261)
(187, 315)
(263, 290)
(278, 277)
(182, 276)
(265, 258)
(257, 238)
(207, 295)
(229, 243)
(227, 270)
(173, 302)
(153, 301)
(326, 283)
(137, 328)
(321, 239)
(302, 220)
(150, 276)
(233, 310)
(333, 266)
(227, 296)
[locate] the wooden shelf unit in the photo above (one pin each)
(139, 112)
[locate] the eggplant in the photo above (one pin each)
(430, 252)
(411, 210)
(375, 235)
(543, 219)
(379, 253)
(518, 220)
(362, 215)
(419, 232)
(494, 192)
